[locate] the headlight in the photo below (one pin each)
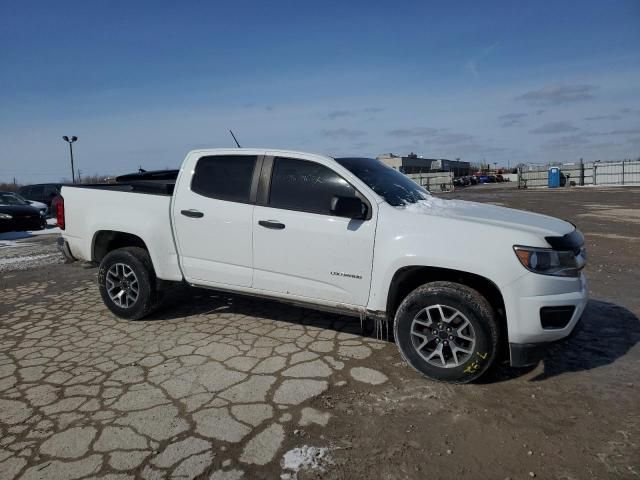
(547, 261)
(5, 216)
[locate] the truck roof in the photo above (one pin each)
(256, 151)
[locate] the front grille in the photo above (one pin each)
(553, 318)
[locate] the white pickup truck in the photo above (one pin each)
(464, 283)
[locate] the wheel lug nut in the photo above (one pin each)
(450, 337)
(446, 343)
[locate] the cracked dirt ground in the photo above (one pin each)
(220, 382)
(221, 387)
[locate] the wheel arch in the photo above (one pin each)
(408, 278)
(105, 241)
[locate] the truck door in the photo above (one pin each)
(300, 248)
(213, 218)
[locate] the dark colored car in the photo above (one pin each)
(16, 215)
(491, 179)
(43, 192)
(499, 178)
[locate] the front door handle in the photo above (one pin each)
(274, 224)
(192, 213)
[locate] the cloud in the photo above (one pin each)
(440, 136)
(511, 119)
(557, 95)
(343, 133)
(472, 64)
(414, 132)
(339, 114)
(631, 131)
(567, 142)
(450, 138)
(554, 127)
(332, 115)
(602, 117)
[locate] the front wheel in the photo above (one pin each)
(127, 283)
(447, 332)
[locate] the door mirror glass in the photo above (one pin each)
(349, 207)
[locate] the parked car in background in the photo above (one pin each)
(499, 178)
(473, 179)
(347, 235)
(491, 179)
(483, 179)
(16, 215)
(42, 207)
(43, 192)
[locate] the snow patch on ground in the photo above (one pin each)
(14, 244)
(29, 261)
(29, 234)
(304, 458)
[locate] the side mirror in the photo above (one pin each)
(349, 207)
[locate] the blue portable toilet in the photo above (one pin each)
(554, 177)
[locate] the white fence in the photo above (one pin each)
(590, 173)
(436, 181)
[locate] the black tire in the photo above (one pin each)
(474, 309)
(138, 260)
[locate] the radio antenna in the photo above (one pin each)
(235, 139)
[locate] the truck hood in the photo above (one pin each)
(487, 214)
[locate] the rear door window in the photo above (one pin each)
(225, 177)
(305, 186)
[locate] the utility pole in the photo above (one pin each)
(70, 141)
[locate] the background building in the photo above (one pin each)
(412, 163)
(458, 167)
(409, 164)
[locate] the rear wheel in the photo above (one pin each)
(127, 283)
(447, 332)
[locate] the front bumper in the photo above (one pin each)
(527, 354)
(524, 300)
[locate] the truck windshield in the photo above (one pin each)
(393, 186)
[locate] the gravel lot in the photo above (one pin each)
(223, 387)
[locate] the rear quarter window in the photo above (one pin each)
(226, 177)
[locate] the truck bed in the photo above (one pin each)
(157, 182)
(152, 188)
(137, 208)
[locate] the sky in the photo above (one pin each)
(143, 82)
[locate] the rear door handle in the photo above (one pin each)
(274, 224)
(192, 213)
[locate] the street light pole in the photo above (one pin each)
(70, 141)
